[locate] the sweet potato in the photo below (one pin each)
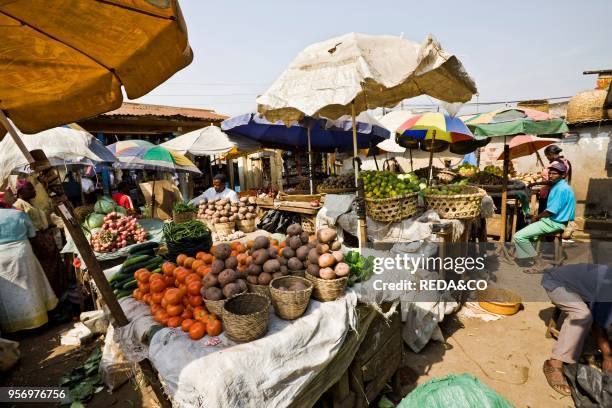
(241, 285)
(326, 260)
(341, 270)
(322, 249)
(254, 269)
(288, 252)
(295, 242)
(210, 280)
(313, 256)
(252, 279)
(231, 263)
(313, 269)
(231, 289)
(326, 235)
(304, 238)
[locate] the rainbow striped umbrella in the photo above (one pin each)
(140, 154)
(433, 129)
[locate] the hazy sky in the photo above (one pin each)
(514, 50)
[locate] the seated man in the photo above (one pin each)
(559, 211)
(583, 292)
(217, 192)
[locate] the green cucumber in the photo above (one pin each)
(132, 284)
(134, 267)
(123, 293)
(135, 260)
(158, 270)
(143, 246)
(149, 252)
(154, 263)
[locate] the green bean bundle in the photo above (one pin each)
(174, 232)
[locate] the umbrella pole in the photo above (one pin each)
(376, 163)
(411, 166)
(539, 159)
(431, 152)
(310, 162)
(7, 125)
(361, 220)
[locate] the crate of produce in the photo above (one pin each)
(455, 202)
(392, 209)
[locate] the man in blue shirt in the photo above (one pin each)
(559, 211)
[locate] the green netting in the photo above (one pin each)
(454, 391)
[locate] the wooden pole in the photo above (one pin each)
(361, 220)
(310, 163)
(13, 132)
(431, 152)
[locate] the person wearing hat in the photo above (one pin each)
(560, 210)
(553, 154)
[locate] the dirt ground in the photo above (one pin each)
(506, 354)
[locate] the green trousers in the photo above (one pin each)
(523, 239)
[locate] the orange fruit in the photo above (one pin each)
(197, 330)
(186, 325)
(180, 260)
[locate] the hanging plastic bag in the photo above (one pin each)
(590, 387)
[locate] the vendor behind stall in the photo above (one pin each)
(122, 197)
(559, 211)
(217, 192)
(25, 293)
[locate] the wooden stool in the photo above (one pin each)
(551, 327)
(558, 246)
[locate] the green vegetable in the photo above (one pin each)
(120, 210)
(142, 247)
(94, 220)
(130, 269)
(124, 293)
(154, 263)
(158, 270)
(132, 284)
(184, 207)
(104, 206)
(174, 232)
(361, 268)
(149, 252)
(135, 260)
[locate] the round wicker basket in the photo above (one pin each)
(458, 206)
(261, 289)
(225, 227)
(246, 225)
(292, 304)
(246, 316)
(183, 217)
(308, 224)
(587, 106)
(392, 209)
(446, 176)
(301, 273)
(325, 290)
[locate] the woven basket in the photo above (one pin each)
(458, 206)
(392, 209)
(537, 104)
(246, 225)
(260, 289)
(587, 106)
(308, 224)
(225, 227)
(325, 290)
(290, 305)
(183, 217)
(300, 273)
(246, 316)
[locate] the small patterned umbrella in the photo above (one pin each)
(140, 154)
(434, 129)
(526, 145)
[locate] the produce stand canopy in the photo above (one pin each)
(152, 225)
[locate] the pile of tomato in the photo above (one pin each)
(174, 297)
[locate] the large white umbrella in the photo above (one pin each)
(356, 72)
(211, 141)
(62, 146)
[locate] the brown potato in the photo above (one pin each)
(210, 280)
(326, 260)
(288, 252)
(260, 256)
(217, 266)
(282, 260)
(261, 242)
(271, 266)
(304, 238)
(336, 245)
(223, 251)
(313, 256)
(241, 285)
(277, 275)
(294, 229)
(253, 269)
(252, 279)
(227, 276)
(273, 252)
(295, 264)
(313, 269)
(322, 249)
(231, 289)
(294, 242)
(338, 255)
(297, 286)
(326, 235)
(327, 273)
(231, 263)
(302, 252)
(284, 270)
(341, 270)
(264, 278)
(213, 293)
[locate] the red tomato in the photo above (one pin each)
(213, 328)
(197, 330)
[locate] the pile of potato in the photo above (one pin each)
(267, 262)
(221, 211)
(324, 259)
(223, 281)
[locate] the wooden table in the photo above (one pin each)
(300, 210)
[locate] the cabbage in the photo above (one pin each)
(120, 210)
(94, 220)
(103, 206)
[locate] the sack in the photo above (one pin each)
(457, 391)
(590, 387)
(114, 368)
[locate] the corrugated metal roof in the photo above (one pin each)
(141, 109)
